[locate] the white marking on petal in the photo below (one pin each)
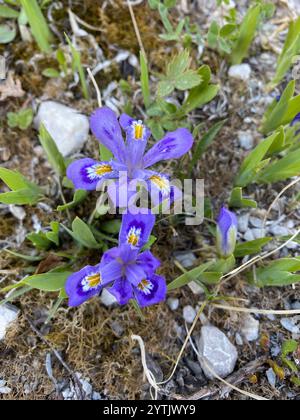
(145, 286)
(99, 170)
(91, 282)
(134, 236)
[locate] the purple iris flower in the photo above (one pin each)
(227, 228)
(126, 270)
(130, 157)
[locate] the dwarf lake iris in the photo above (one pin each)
(130, 157)
(127, 271)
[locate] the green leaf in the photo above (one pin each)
(289, 347)
(290, 51)
(165, 88)
(278, 273)
(51, 73)
(14, 180)
(53, 236)
(24, 257)
(188, 277)
(22, 119)
(246, 35)
(77, 66)
(199, 96)
(38, 24)
(251, 247)
(7, 33)
(275, 114)
(251, 165)
(238, 201)
(82, 233)
(79, 197)
(188, 80)
(54, 156)
(8, 13)
(22, 197)
(39, 240)
(204, 143)
(113, 227)
(24, 192)
(145, 80)
(149, 244)
(282, 169)
(48, 282)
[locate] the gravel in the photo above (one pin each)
(189, 314)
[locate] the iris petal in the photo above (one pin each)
(136, 229)
(151, 291)
(106, 128)
(87, 173)
(173, 146)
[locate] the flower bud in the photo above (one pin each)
(226, 233)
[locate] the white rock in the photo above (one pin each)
(186, 259)
(243, 223)
(18, 212)
(259, 233)
(240, 72)
(107, 298)
(217, 352)
(68, 128)
(189, 314)
(279, 231)
(8, 315)
(256, 222)
(250, 328)
(290, 325)
(239, 340)
(249, 236)
(271, 377)
(196, 288)
(246, 140)
(173, 304)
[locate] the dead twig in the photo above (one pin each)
(213, 391)
(81, 394)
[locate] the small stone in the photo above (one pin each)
(189, 314)
(240, 72)
(246, 140)
(4, 154)
(239, 340)
(5, 390)
(290, 325)
(107, 298)
(249, 236)
(68, 128)
(117, 328)
(256, 222)
(295, 306)
(18, 212)
(279, 230)
(173, 304)
(259, 233)
(8, 315)
(196, 288)
(187, 259)
(243, 223)
(271, 377)
(250, 328)
(217, 352)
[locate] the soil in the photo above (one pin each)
(95, 340)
